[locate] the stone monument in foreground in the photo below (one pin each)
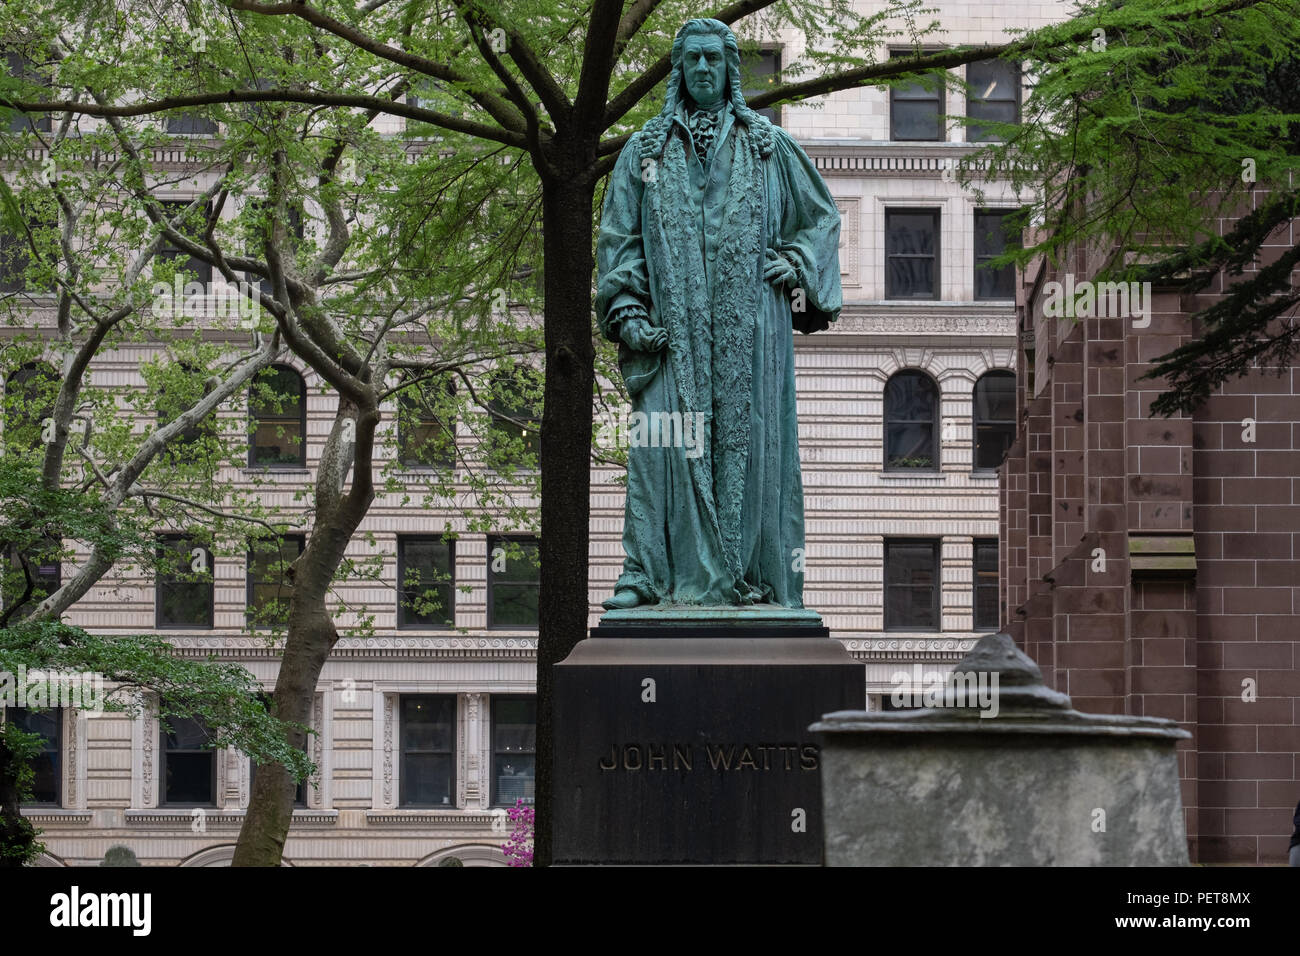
(680, 722)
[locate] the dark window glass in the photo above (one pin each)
(189, 444)
(427, 572)
(986, 584)
(184, 583)
(38, 568)
(428, 752)
(911, 422)
(48, 725)
(912, 585)
(190, 123)
(995, 417)
(426, 426)
(514, 582)
(192, 227)
(278, 408)
(16, 248)
(994, 95)
(912, 254)
(269, 586)
(255, 223)
(514, 745)
(915, 110)
(995, 232)
(189, 764)
(19, 67)
(516, 412)
(762, 69)
(30, 394)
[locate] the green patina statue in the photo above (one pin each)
(718, 238)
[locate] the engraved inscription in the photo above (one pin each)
(738, 756)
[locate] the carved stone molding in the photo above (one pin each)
(884, 321)
(404, 648)
(910, 649)
(388, 770)
(144, 744)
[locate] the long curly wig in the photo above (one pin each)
(654, 136)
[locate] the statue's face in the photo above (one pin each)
(704, 67)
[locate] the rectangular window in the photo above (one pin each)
(16, 249)
(19, 67)
(916, 108)
(514, 582)
(986, 584)
(184, 595)
(426, 574)
(191, 124)
(912, 585)
(30, 577)
(426, 425)
(996, 230)
(994, 95)
(762, 70)
(189, 763)
(48, 725)
(514, 746)
(269, 588)
(912, 254)
(428, 726)
(199, 271)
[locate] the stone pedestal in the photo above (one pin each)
(687, 743)
(1004, 773)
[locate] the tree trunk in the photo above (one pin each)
(566, 447)
(311, 636)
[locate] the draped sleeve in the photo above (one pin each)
(808, 234)
(622, 278)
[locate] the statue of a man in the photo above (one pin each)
(718, 238)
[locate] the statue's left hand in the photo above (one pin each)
(777, 269)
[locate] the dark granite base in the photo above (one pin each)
(719, 768)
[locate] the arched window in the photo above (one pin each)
(515, 407)
(911, 422)
(995, 418)
(277, 405)
(174, 399)
(30, 393)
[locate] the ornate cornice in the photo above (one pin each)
(406, 648)
(910, 649)
(975, 320)
(438, 819)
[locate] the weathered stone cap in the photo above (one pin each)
(1023, 704)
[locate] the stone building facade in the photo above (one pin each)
(1151, 566)
(898, 404)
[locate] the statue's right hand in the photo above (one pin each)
(640, 336)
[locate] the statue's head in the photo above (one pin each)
(705, 71)
(705, 65)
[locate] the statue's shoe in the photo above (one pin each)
(622, 600)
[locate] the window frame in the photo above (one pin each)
(408, 406)
(492, 540)
(1002, 215)
(936, 218)
(254, 421)
(163, 754)
(494, 795)
(757, 57)
(976, 585)
(403, 776)
(936, 449)
(202, 271)
(936, 587)
(977, 420)
(57, 750)
(158, 584)
(402, 624)
(1016, 81)
(249, 583)
(20, 67)
(940, 100)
